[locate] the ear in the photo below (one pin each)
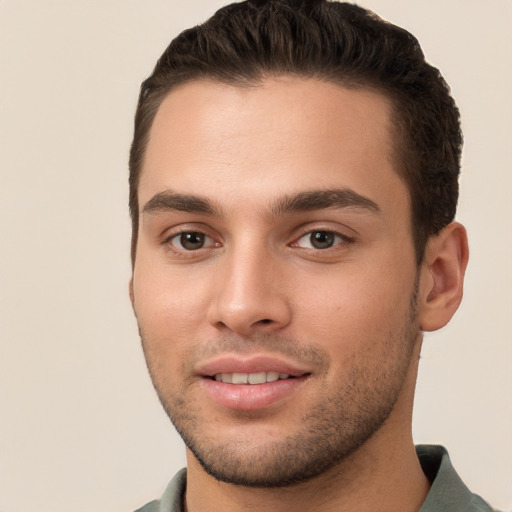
(442, 277)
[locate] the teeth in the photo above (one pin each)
(257, 378)
(240, 378)
(272, 376)
(250, 378)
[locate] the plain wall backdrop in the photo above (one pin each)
(80, 426)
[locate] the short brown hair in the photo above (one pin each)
(331, 41)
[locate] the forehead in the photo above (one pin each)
(289, 132)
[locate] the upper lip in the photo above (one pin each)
(231, 363)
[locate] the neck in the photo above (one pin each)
(383, 474)
(363, 482)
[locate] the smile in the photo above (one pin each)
(251, 382)
(252, 391)
(250, 378)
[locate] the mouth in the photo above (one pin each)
(252, 383)
(251, 378)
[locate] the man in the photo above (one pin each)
(293, 185)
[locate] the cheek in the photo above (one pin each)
(356, 306)
(166, 315)
(167, 306)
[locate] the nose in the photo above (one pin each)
(249, 296)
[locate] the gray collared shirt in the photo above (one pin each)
(447, 494)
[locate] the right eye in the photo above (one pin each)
(191, 241)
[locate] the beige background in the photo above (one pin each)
(80, 426)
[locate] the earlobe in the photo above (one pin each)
(444, 266)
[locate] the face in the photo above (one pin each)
(275, 278)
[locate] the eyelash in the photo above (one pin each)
(336, 240)
(181, 234)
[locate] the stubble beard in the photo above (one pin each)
(334, 428)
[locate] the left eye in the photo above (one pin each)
(191, 241)
(319, 240)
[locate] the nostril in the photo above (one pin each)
(265, 321)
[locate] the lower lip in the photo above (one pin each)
(250, 397)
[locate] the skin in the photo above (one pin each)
(349, 314)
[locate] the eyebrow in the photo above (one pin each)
(172, 201)
(293, 203)
(323, 199)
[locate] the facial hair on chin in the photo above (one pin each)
(343, 419)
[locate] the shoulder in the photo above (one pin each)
(152, 506)
(448, 491)
(172, 498)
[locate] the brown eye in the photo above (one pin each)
(320, 240)
(190, 240)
